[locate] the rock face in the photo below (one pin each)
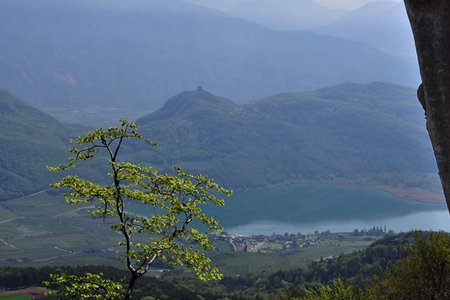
(430, 22)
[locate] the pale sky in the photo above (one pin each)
(346, 4)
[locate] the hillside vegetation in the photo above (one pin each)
(369, 133)
(366, 134)
(361, 268)
(29, 141)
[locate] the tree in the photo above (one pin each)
(88, 286)
(430, 22)
(338, 290)
(171, 202)
(423, 274)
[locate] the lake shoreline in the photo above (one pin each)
(432, 220)
(414, 194)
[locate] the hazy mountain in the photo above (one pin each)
(347, 4)
(126, 57)
(29, 141)
(383, 24)
(357, 133)
(277, 14)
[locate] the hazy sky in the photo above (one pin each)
(225, 5)
(348, 4)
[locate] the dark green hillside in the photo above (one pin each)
(360, 268)
(29, 140)
(192, 105)
(372, 133)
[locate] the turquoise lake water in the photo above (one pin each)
(313, 203)
(430, 220)
(308, 208)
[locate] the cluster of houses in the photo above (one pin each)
(268, 243)
(289, 242)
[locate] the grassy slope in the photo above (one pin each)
(42, 229)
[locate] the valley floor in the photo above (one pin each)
(42, 230)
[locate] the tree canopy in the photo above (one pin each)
(169, 205)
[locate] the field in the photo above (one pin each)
(43, 229)
(23, 294)
(241, 263)
(16, 297)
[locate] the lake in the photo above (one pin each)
(317, 207)
(433, 220)
(307, 208)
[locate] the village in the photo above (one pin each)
(276, 243)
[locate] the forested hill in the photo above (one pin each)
(29, 141)
(132, 55)
(372, 133)
(360, 267)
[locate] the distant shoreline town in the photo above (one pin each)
(275, 243)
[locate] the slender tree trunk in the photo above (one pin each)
(430, 22)
(130, 287)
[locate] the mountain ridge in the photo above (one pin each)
(365, 133)
(131, 60)
(382, 24)
(347, 134)
(177, 105)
